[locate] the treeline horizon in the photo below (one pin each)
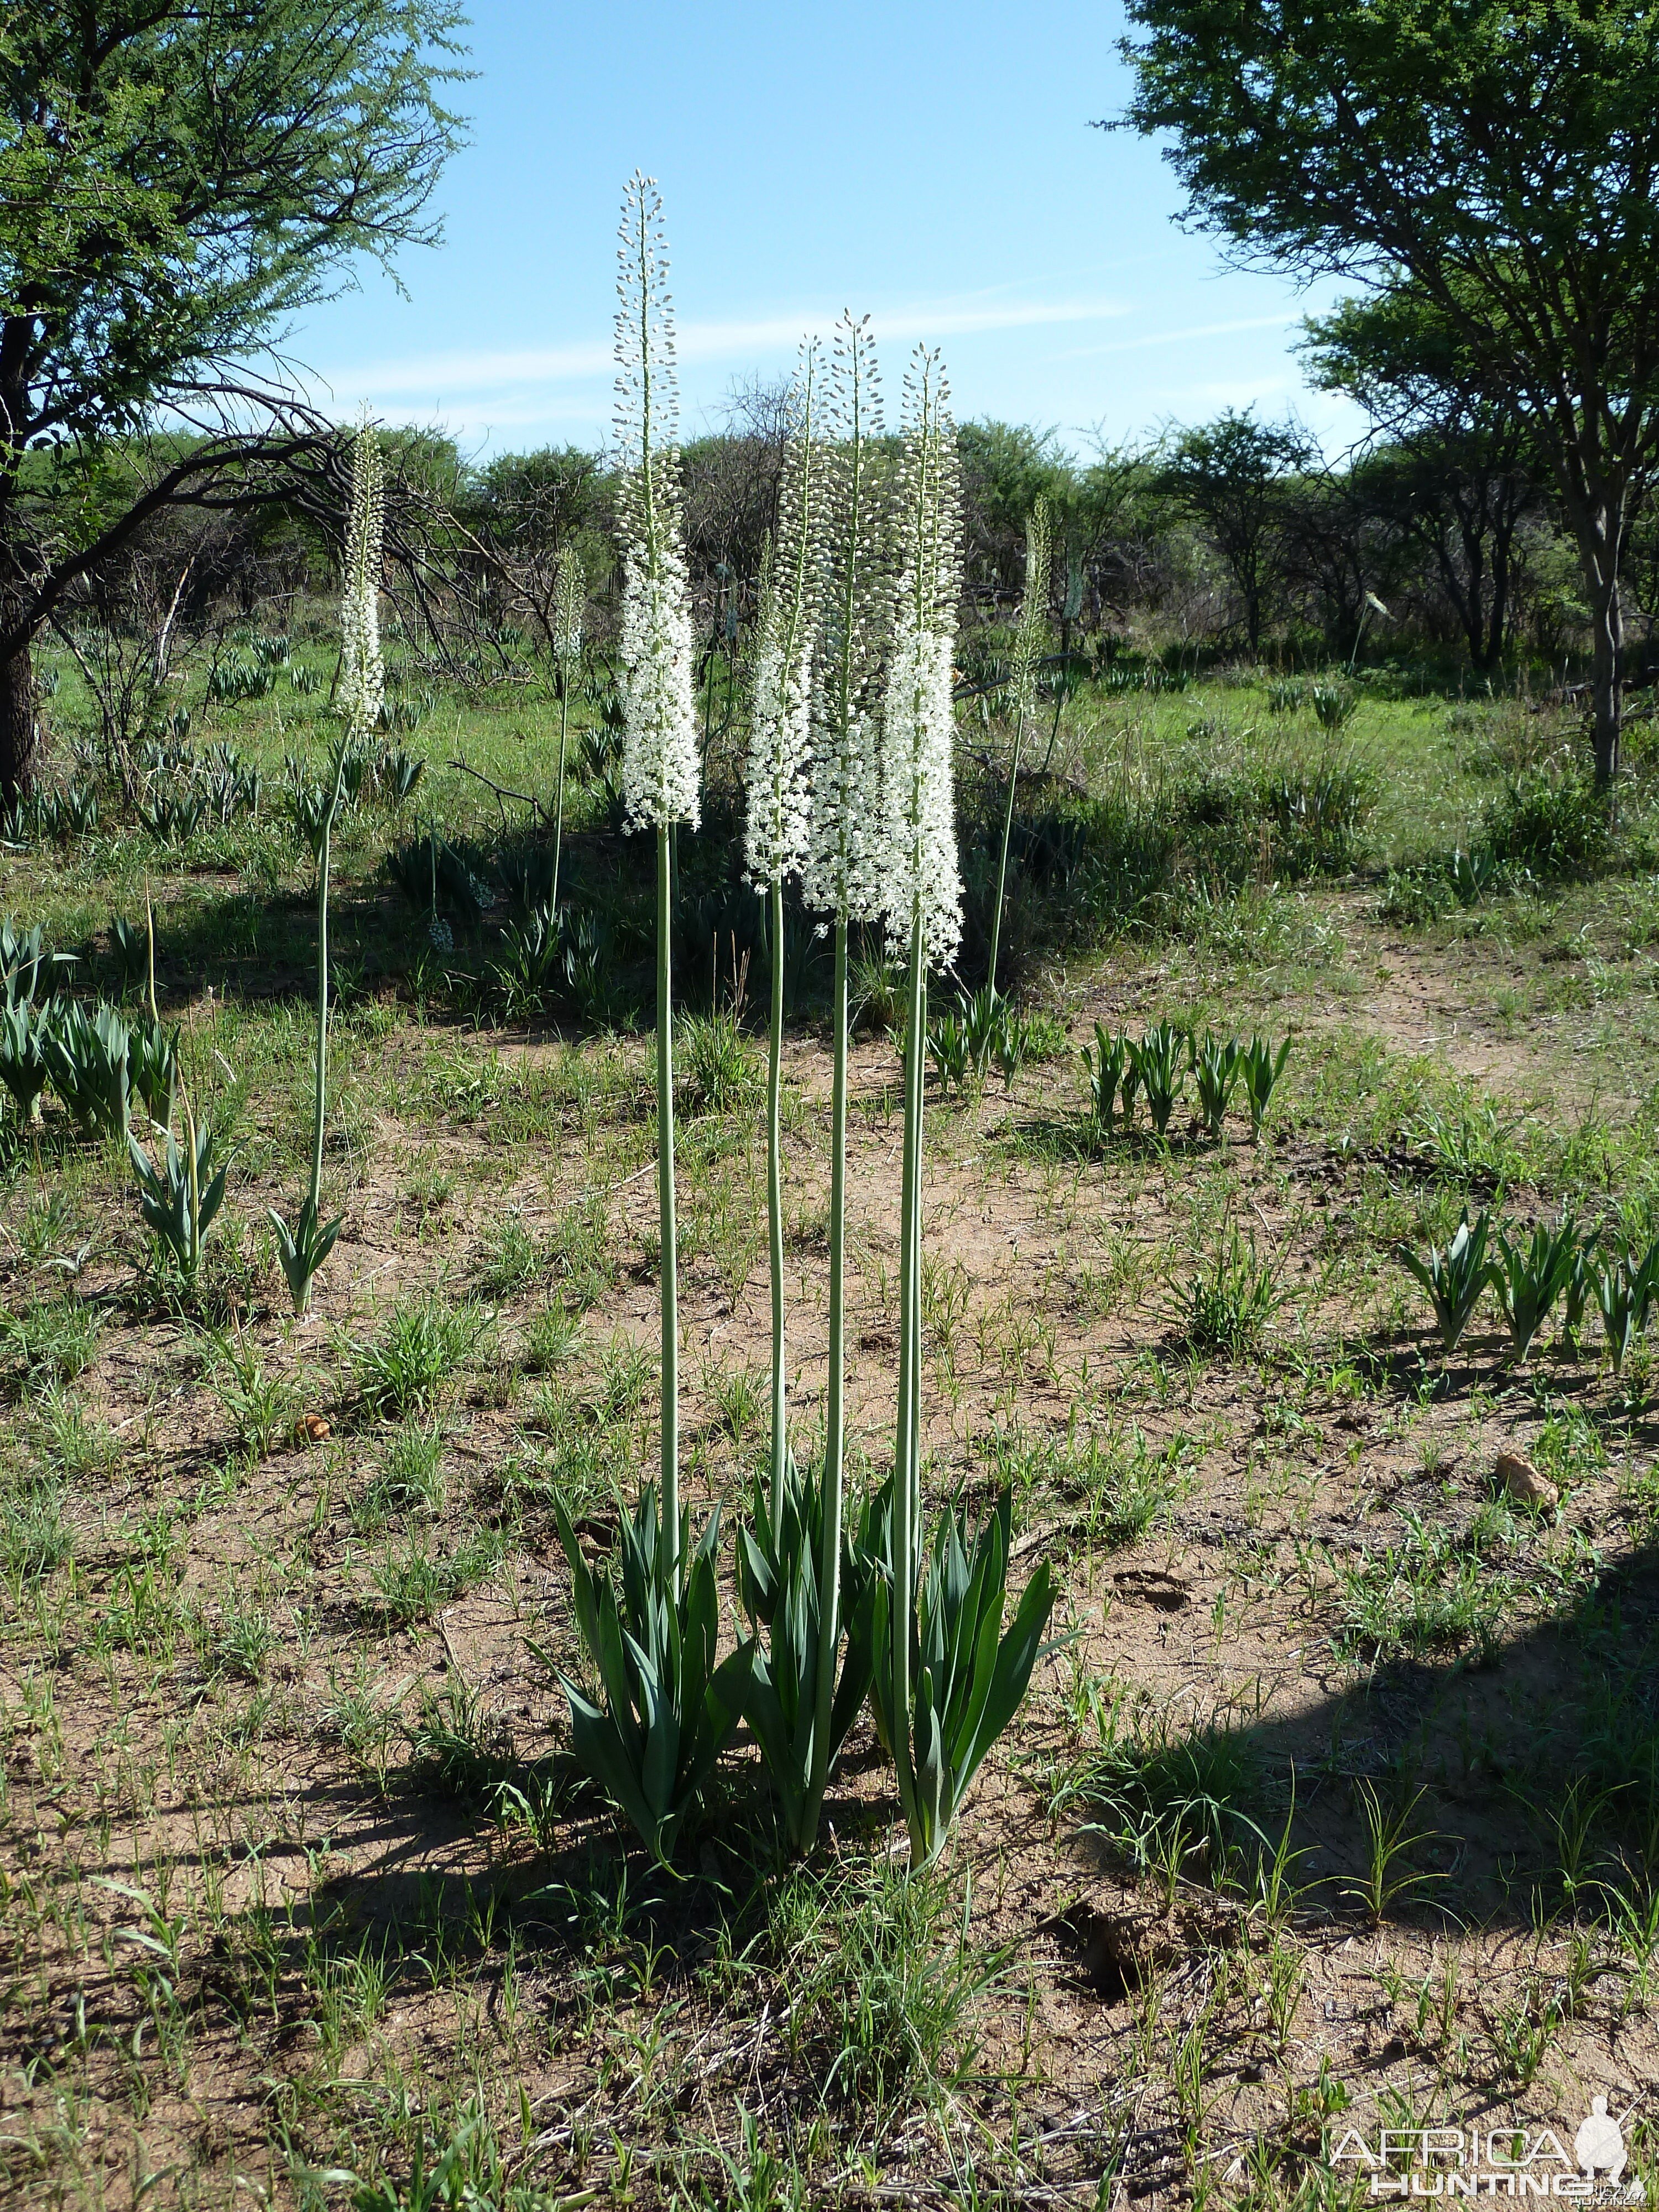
(1235, 537)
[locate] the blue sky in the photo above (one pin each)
(931, 165)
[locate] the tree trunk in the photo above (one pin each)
(1499, 631)
(1607, 631)
(17, 728)
(1597, 511)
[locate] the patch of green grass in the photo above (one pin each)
(35, 1534)
(1442, 1590)
(242, 1637)
(1226, 1307)
(884, 1980)
(582, 1252)
(53, 1339)
(1178, 1805)
(550, 1338)
(422, 1345)
(512, 1261)
(410, 1585)
(71, 1444)
(410, 1479)
(720, 1073)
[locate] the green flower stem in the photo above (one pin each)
(834, 1435)
(774, 1205)
(670, 1258)
(559, 803)
(907, 1457)
(323, 858)
(322, 1017)
(1007, 833)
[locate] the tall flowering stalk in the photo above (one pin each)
(779, 794)
(569, 605)
(946, 1681)
(922, 906)
(669, 1703)
(842, 872)
(659, 743)
(361, 691)
(804, 1588)
(1029, 636)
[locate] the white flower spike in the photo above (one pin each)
(780, 744)
(362, 674)
(920, 886)
(843, 873)
(660, 764)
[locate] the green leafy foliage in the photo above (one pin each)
(24, 1067)
(87, 1059)
(670, 1703)
(951, 1050)
(528, 971)
(1161, 1061)
(24, 963)
(1260, 1067)
(1109, 1069)
(303, 1248)
(1454, 1279)
(1218, 1068)
(778, 1572)
(180, 1197)
(1333, 704)
(153, 1067)
(968, 1675)
(1529, 1277)
(1625, 1289)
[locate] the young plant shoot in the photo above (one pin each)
(1029, 637)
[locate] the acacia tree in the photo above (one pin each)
(1233, 474)
(1454, 476)
(178, 177)
(1500, 156)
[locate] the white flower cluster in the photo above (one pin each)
(660, 763)
(842, 871)
(780, 727)
(659, 738)
(569, 605)
(363, 673)
(1029, 636)
(920, 881)
(919, 885)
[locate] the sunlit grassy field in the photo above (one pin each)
(1338, 1802)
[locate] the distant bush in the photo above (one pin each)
(1552, 819)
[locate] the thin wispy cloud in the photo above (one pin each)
(490, 370)
(1180, 338)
